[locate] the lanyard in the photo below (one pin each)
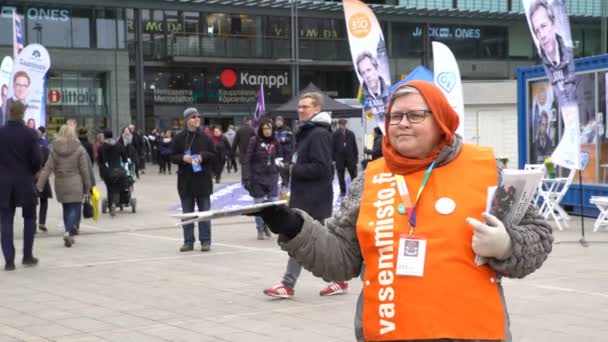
(405, 197)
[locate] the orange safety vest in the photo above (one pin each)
(455, 298)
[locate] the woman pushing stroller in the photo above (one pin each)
(112, 158)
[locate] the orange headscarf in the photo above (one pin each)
(444, 115)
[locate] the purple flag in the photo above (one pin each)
(260, 108)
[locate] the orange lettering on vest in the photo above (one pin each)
(455, 298)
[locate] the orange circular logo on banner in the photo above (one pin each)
(359, 25)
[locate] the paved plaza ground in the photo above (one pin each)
(125, 280)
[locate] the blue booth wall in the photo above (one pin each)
(571, 201)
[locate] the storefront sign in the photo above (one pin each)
(449, 32)
(174, 96)
(157, 26)
(75, 97)
(51, 14)
(229, 79)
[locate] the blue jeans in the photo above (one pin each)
(259, 222)
(71, 215)
(7, 216)
(204, 227)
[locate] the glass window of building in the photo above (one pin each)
(231, 24)
(191, 22)
(49, 26)
(105, 28)
(81, 27)
(121, 26)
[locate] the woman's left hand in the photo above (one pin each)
(490, 239)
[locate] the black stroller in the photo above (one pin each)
(120, 183)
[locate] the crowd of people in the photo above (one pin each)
(402, 247)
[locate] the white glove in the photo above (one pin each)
(490, 239)
(279, 162)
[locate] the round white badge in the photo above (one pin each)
(445, 206)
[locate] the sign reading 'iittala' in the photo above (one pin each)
(75, 97)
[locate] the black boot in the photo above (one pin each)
(29, 261)
(9, 265)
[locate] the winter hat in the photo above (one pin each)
(189, 112)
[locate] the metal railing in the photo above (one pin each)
(246, 46)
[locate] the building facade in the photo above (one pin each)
(125, 61)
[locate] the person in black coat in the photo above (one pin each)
(112, 158)
(164, 152)
(127, 143)
(311, 182)
(47, 193)
(241, 141)
(19, 161)
(376, 151)
(345, 152)
(83, 136)
(260, 170)
(285, 138)
(194, 154)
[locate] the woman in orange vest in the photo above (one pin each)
(413, 228)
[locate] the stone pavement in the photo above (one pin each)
(125, 280)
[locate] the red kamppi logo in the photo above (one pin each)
(228, 78)
(54, 96)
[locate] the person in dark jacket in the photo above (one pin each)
(285, 138)
(83, 136)
(112, 158)
(222, 149)
(376, 151)
(311, 182)
(345, 152)
(19, 161)
(46, 193)
(126, 141)
(194, 154)
(164, 152)
(241, 141)
(260, 170)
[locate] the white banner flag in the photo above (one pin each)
(447, 78)
(5, 75)
(27, 82)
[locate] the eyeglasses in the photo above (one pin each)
(195, 117)
(414, 116)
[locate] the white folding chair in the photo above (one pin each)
(553, 191)
(601, 202)
(537, 194)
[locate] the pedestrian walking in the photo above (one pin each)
(345, 153)
(83, 137)
(231, 162)
(222, 149)
(126, 141)
(112, 160)
(416, 254)
(194, 154)
(311, 183)
(70, 164)
(165, 152)
(285, 137)
(19, 161)
(241, 141)
(46, 193)
(260, 170)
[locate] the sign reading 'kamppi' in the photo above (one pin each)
(243, 86)
(27, 81)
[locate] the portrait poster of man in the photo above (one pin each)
(26, 82)
(543, 121)
(370, 58)
(550, 30)
(6, 67)
(551, 34)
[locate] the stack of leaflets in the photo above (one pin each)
(220, 213)
(510, 200)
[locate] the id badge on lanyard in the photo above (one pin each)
(412, 248)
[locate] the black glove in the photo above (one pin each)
(281, 220)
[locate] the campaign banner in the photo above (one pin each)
(447, 78)
(550, 28)
(18, 37)
(370, 59)
(27, 82)
(6, 67)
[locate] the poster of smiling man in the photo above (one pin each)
(550, 28)
(27, 82)
(370, 58)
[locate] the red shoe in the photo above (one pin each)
(334, 289)
(279, 291)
